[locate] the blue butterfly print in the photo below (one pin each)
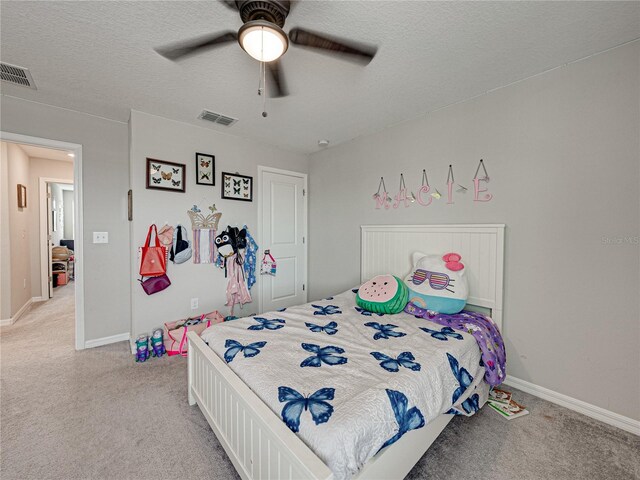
(390, 364)
(443, 333)
(367, 313)
(328, 310)
(330, 328)
(322, 355)
(234, 347)
(317, 404)
(408, 420)
(464, 379)
(263, 323)
(470, 405)
(385, 331)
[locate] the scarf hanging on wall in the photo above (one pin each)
(250, 259)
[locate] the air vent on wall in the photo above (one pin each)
(217, 118)
(16, 75)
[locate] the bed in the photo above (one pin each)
(248, 422)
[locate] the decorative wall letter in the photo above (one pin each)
(424, 189)
(402, 194)
(476, 185)
(382, 199)
(426, 194)
(450, 181)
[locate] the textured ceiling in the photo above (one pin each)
(97, 57)
(46, 153)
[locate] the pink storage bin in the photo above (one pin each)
(175, 339)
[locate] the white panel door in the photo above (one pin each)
(283, 215)
(49, 242)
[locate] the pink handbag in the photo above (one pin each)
(175, 333)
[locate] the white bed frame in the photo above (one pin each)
(258, 442)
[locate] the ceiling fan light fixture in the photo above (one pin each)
(263, 40)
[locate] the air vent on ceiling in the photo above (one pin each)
(217, 118)
(16, 75)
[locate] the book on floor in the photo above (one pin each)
(497, 395)
(510, 410)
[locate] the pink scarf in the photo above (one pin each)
(237, 291)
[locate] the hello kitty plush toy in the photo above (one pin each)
(438, 283)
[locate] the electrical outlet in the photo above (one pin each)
(194, 304)
(24, 283)
(100, 237)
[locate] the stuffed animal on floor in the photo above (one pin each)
(157, 343)
(142, 348)
(383, 294)
(438, 283)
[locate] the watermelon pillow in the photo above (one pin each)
(383, 294)
(438, 283)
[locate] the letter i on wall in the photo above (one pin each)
(450, 181)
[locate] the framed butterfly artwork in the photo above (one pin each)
(205, 169)
(163, 175)
(237, 187)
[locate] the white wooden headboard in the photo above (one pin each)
(388, 249)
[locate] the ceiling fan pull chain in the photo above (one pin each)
(264, 77)
(264, 89)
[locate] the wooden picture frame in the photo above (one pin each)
(22, 196)
(205, 169)
(163, 175)
(237, 187)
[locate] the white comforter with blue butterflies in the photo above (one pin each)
(349, 382)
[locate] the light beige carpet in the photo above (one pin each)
(96, 414)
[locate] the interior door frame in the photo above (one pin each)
(78, 215)
(45, 218)
(305, 207)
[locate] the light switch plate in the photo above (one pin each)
(100, 237)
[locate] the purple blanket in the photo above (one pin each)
(482, 328)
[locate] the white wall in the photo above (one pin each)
(5, 256)
(46, 168)
(18, 226)
(67, 196)
(105, 171)
(163, 139)
(562, 150)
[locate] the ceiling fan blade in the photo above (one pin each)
(193, 46)
(359, 52)
(229, 4)
(279, 88)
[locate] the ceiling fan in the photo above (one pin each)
(262, 37)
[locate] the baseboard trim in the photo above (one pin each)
(10, 321)
(38, 299)
(98, 342)
(610, 418)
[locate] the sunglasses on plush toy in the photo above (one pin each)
(437, 281)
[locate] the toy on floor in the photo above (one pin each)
(157, 343)
(142, 348)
